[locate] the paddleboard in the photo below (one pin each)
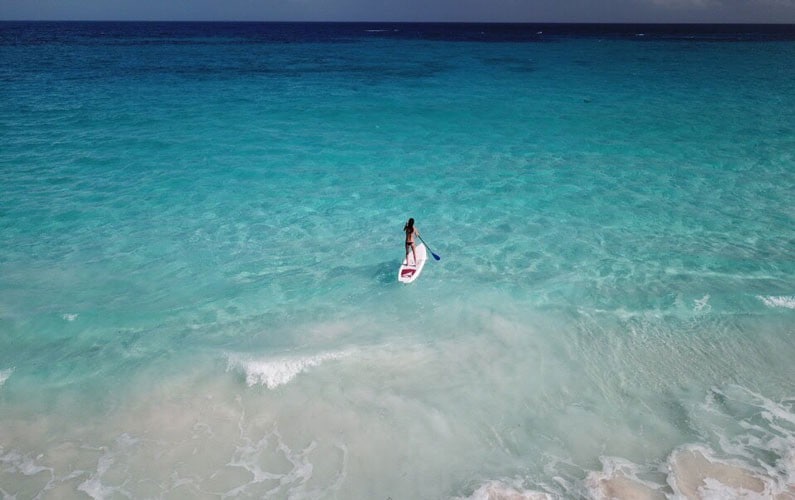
(409, 271)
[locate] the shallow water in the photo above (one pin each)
(202, 230)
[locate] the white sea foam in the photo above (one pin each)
(4, 374)
(273, 465)
(94, 486)
(702, 304)
(734, 468)
(70, 316)
(787, 302)
(619, 479)
(498, 490)
(273, 372)
(695, 472)
(13, 461)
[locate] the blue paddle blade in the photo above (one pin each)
(426, 246)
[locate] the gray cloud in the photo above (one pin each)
(734, 11)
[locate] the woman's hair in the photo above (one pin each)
(409, 225)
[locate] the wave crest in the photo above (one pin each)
(787, 302)
(4, 374)
(274, 372)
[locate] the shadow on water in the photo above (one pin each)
(385, 272)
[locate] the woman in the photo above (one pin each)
(410, 231)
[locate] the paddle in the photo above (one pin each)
(429, 248)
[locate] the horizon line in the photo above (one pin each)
(602, 23)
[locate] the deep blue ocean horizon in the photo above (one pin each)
(732, 31)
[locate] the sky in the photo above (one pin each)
(600, 11)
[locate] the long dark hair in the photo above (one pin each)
(409, 225)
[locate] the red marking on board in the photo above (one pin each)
(407, 273)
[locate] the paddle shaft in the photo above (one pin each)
(429, 248)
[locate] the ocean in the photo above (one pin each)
(201, 229)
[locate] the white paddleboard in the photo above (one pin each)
(409, 271)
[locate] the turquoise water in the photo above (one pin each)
(201, 230)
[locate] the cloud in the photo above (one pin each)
(724, 5)
(687, 4)
(735, 11)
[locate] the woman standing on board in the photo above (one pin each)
(410, 233)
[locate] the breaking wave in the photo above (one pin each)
(273, 372)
